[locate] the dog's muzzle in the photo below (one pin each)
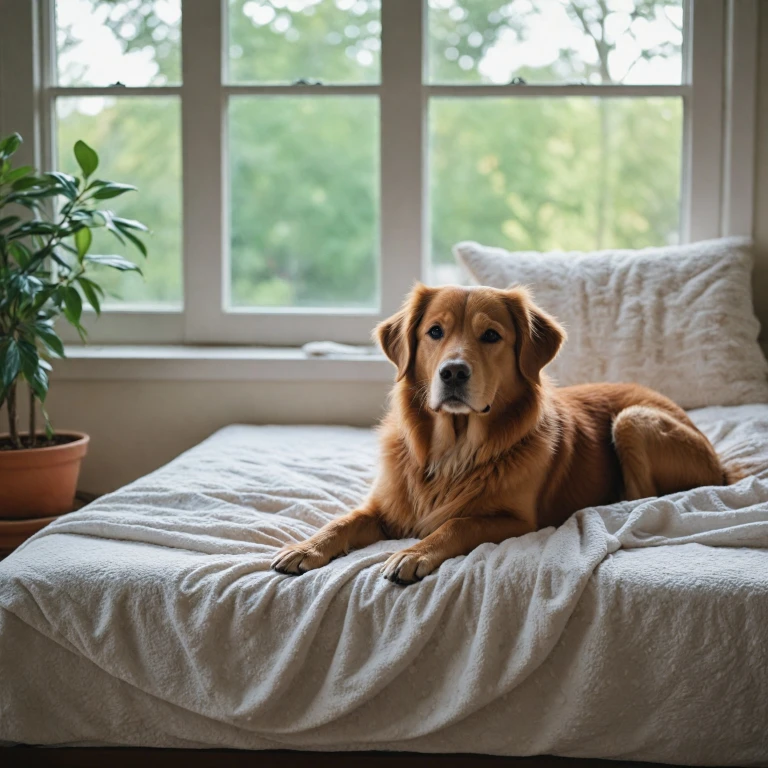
(454, 377)
(452, 388)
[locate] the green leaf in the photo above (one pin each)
(73, 305)
(83, 238)
(115, 262)
(135, 240)
(9, 221)
(86, 217)
(39, 300)
(19, 173)
(59, 260)
(33, 228)
(108, 218)
(67, 183)
(23, 287)
(10, 361)
(38, 381)
(33, 195)
(86, 158)
(124, 224)
(9, 145)
(20, 254)
(34, 369)
(30, 181)
(91, 291)
(28, 356)
(48, 336)
(112, 189)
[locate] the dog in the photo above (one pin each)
(479, 445)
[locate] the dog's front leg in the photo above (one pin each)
(458, 536)
(352, 531)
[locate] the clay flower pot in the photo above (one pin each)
(41, 482)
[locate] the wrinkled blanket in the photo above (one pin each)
(151, 617)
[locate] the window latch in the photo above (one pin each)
(304, 81)
(518, 81)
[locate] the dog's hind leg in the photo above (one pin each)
(661, 454)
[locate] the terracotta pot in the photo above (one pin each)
(41, 482)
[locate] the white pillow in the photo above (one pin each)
(678, 319)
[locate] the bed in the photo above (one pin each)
(150, 618)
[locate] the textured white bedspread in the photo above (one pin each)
(152, 618)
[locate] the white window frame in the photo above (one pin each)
(718, 92)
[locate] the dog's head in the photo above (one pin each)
(470, 349)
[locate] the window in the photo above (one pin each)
(105, 50)
(302, 162)
(581, 172)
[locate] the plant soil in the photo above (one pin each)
(41, 442)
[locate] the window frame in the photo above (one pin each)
(718, 91)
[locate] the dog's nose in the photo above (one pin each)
(455, 371)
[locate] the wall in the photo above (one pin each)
(137, 426)
(761, 192)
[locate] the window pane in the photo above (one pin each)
(282, 41)
(138, 142)
(102, 42)
(304, 201)
(553, 174)
(556, 41)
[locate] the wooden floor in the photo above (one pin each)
(226, 758)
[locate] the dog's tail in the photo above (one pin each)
(733, 472)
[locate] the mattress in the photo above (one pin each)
(151, 618)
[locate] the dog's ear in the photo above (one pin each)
(539, 335)
(397, 335)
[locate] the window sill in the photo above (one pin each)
(189, 363)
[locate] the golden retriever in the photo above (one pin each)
(479, 445)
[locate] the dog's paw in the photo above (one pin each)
(296, 559)
(407, 567)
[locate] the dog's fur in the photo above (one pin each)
(497, 450)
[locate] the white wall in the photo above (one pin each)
(137, 426)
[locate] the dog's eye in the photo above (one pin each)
(435, 332)
(490, 337)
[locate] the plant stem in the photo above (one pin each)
(13, 417)
(32, 419)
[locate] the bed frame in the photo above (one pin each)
(99, 757)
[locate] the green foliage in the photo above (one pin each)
(139, 142)
(46, 263)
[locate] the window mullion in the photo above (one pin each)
(202, 128)
(402, 149)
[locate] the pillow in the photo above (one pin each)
(678, 319)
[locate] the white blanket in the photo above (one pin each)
(151, 618)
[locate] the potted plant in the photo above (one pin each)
(47, 272)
